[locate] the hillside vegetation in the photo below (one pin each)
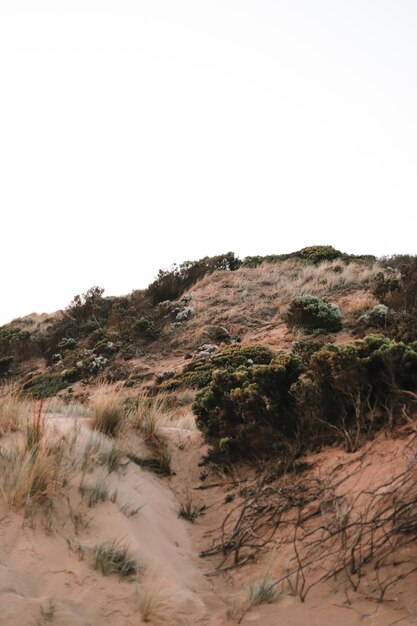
(266, 385)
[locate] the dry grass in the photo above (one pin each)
(107, 412)
(13, 409)
(252, 297)
(34, 476)
(150, 415)
(155, 599)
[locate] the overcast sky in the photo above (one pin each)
(138, 133)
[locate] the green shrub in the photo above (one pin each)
(198, 372)
(313, 314)
(250, 411)
(377, 317)
(5, 364)
(351, 390)
(45, 385)
(145, 328)
(318, 254)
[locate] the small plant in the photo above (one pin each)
(113, 557)
(111, 457)
(96, 492)
(107, 413)
(310, 313)
(262, 591)
(188, 508)
(161, 455)
(154, 599)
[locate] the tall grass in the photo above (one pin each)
(107, 412)
(150, 415)
(12, 411)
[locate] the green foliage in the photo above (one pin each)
(113, 557)
(377, 317)
(318, 254)
(44, 386)
(341, 393)
(14, 341)
(198, 372)
(351, 390)
(313, 314)
(5, 364)
(145, 328)
(171, 284)
(250, 410)
(400, 295)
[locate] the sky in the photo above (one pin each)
(139, 133)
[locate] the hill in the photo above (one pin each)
(235, 443)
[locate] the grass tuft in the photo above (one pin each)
(107, 413)
(113, 557)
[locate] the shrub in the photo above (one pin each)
(318, 254)
(5, 364)
(377, 317)
(250, 410)
(313, 314)
(45, 385)
(351, 390)
(198, 372)
(171, 284)
(145, 328)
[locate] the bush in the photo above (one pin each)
(171, 284)
(313, 314)
(198, 373)
(250, 411)
(351, 390)
(5, 364)
(377, 317)
(318, 254)
(45, 385)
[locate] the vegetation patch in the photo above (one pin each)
(311, 314)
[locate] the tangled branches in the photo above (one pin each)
(348, 528)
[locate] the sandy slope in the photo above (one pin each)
(47, 578)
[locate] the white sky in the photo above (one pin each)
(138, 133)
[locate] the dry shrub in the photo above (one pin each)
(155, 599)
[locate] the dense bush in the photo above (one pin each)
(313, 314)
(351, 390)
(15, 341)
(45, 386)
(5, 364)
(400, 295)
(199, 371)
(250, 410)
(377, 317)
(341, 393)
(171, 284)
(318, 254)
